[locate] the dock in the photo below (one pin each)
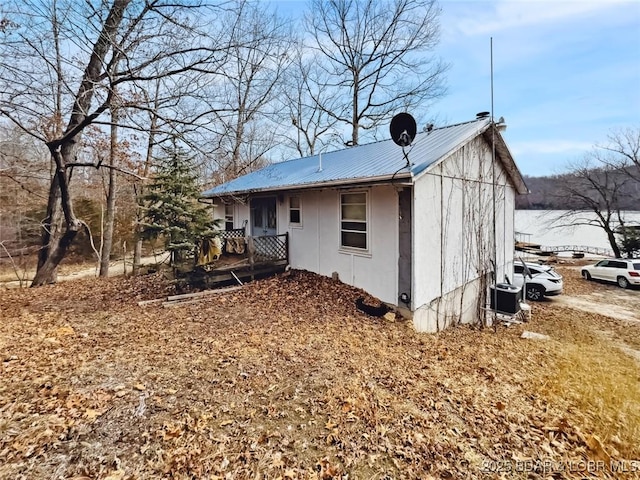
(578, 251)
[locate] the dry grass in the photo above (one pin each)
(607, 391)
(594, 379)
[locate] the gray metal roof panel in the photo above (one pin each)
(355, 164)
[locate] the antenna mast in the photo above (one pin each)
(491, 61)
(493, 185)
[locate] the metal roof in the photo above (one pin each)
(376, 161)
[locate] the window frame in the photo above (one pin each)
(298, 208)
(229, 217)
(366, 222)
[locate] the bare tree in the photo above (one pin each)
(24, 177)
(377, 56)
(315, 129)
(105, 251)
(595, 193)
(247, 93)
(623, 151)
(53, 87)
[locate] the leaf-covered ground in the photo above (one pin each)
(286, 379)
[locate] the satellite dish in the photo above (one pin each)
(403, 129)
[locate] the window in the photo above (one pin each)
(228, 217)
(295, 211)
(353, 220)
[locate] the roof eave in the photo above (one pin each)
(310, 186)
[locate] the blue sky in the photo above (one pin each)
(566, 73)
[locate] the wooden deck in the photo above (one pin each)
(263, 256)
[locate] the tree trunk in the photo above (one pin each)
(613, 242)
(354, 123)
(137, 252)
(59, 203)
(137, 256)
(111, 198)
(48, 270)
(51, 233)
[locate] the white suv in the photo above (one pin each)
(542, 281)
(625, 272)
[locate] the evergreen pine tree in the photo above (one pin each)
(629, 240)
(172, 210)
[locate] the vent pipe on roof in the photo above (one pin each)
(319, 162)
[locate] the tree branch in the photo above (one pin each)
(101, 165)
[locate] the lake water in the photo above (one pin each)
(539, 225)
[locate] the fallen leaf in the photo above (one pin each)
(595, 444)
(91, 414)
(116, 475)
(64, 331)
(277, 461)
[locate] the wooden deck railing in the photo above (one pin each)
(234, 233)
(268, 248)
(265, 255)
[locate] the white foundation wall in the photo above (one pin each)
(454, 221)
(452, 308)
(315, 245)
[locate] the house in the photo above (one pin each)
(426, 228)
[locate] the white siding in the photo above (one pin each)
(427, 247)
(240, 214)
(218, 211)
(453, 236)
(315, 246)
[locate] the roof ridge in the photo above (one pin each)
(460, 123)
(374, 142)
